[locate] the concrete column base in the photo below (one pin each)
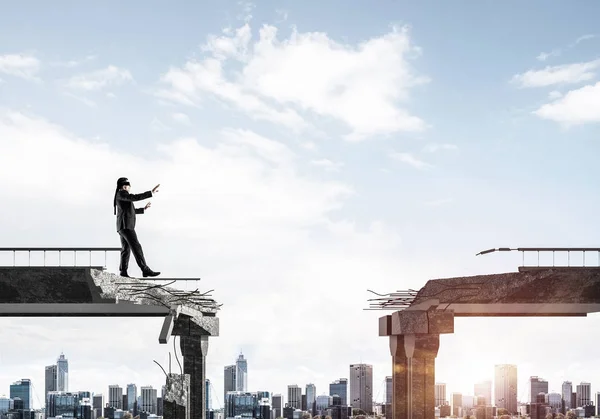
(413, 377)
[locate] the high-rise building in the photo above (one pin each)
(149, 400)
(361, 387)
(537, 385)
(505, 387)
(62, 378)
(554, 400)
(294, 396)
(340, 388)
(389, 390)
(440, 394)
(323, 403)
(208, 403)
(567, 391)
(6, 404)
(311, 396)
(276, 406)
(584, 394)
(115, 396)
(248, 405)
(230, 379)
(131, 398)
(22, 390)
(457, 402)
(241, 374)
(597, 403)
(51, 381)
(484, 389)
(98, 404)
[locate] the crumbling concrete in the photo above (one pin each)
(176, 400)
(85, 291)
(414, 332)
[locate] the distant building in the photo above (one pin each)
(567, 391)
(440, 394)
(208, 401)
(294, 396)
(62, 379)
(389, 391)
(457, 402)
(554, 400)
(323, 403)
(230, 380)
(277, 406)
(537, 385)
(131, 399)
(98, 404)
(115, 396)
(340, 388)
(51, 382)
(149, 400)
(22, 390)
(361, 387)
(505, 384)
(311, 396)
(484, 388)
(241, 374)
(69, 404)
(584, 394)
(248, 405)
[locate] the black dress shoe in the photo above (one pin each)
(124, 274)
(150, 272)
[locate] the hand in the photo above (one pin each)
(148, 205)
(155, 188)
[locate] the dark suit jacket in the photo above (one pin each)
(126, 210)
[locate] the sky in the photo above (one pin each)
(306, 151)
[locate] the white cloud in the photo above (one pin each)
(20, 65)
(360, 85)
(543, 56)
(100, 79)
(409, 159)
(432, 148)
(555, 94)
(74, 63)
(585, 38)
(111, 95)
(559, 74)
(182, 118)
(328, 165)
(158, 126)
(576, 107)
(84, 100)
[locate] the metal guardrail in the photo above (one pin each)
(568, 250)
(59, 250)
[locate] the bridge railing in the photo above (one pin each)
(561, 251)
(59, 250)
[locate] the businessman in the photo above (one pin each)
(126, 211)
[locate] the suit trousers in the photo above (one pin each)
(130, 243)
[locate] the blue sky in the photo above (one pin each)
(490, 139)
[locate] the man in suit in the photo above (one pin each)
(126, 211)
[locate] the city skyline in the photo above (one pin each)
(305, 156)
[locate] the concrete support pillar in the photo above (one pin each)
(194, 349)
(413, 377)
(414, 343)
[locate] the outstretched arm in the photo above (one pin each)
(123, 195)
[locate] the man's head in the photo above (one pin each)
(123, 183)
